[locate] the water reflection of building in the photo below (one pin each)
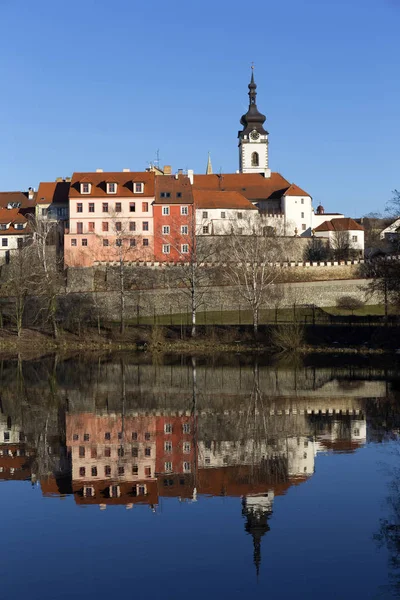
(15, 456)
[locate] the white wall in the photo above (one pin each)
(12, 244)
(246, 149)
(355, 244)
(217, 225)
(298, 213)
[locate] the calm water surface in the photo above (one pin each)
(195, 480)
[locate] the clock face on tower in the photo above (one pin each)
(254, 135)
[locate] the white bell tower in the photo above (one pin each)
(253, 139)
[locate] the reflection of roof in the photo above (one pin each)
(254, 186)
(216, 199)
(345, 224)
(53, 192)
(126, 496)
(342, 445)
(125, 183)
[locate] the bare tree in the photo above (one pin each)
(252, 268)
(191, 276)
(392, 207)
(340, 244)
(18, 284)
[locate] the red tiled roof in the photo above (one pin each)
(172, 185)
(295, 190)
(13, 215)
(20, 197)
(254, 186)
(53, 192)
(345, 224)
(124, 184)
(216, 199)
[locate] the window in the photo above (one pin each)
(121, 470)
(85, 188)
(302, 215)
(135, 469)
(118, 207)
(44, 214)
(132, 243)
(165, 195)
(168, 467)
(118, 226)
(165, 248)
(165, 210)
(145, 242)
(75, 437)
(354, 238)
(208, 461)
(240, 230)
(111, 188)
(145, 226)
(223, 215)
(132, 206)
(184, 210)
(81, 451)
(205, 214)
(168, 446)
(255, 161)
(167, 428)
(121, 452)
(186, 428)
(205, 228)
(145, 207)
(104, 226)
(147, 436)
(120, 435)
(73, 242)
(6, 436)
(147, 471)
(302, 200)
(93, 452)
(79, 228)
(114, 491)
(88, 492)
(86, 437)
(82, 471)
(304, 227)
(132, 226)
(135, 452)
(79, 207)
(94, 471)
(186, 467)
(107, 471)
(91, 227)
(356, 432)
(20, 243)
(118, 243)
(107, 435)
(134, 435)
(306, 444)
(184, 229)
(105, 207)
(139, 188)
(240, 215)
(185, 248)
(91, 207)
(186, 447)
(62, 212)
(105, 242)
(141, 490)
(304, 454)
(165, 229)
(18, 225)
(84, 242)
(147, 451)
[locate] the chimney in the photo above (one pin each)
(126, 170)
(99, 170)
(191, 175)
(58, 179)
(180, 172)
(167, 170)
(68, 179)
(31, 193)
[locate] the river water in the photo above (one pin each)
(189, 478)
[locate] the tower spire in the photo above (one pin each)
(209, 170)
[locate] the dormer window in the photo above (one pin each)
(138, 188)
(4, 225)
(85, 188)
(19, 225)
(111, 188)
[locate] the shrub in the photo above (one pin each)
(288, 338)
(349, 303)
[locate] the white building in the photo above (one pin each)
(218, 212)
(341, 232)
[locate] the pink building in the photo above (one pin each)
(110, 218)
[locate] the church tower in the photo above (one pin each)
(253, 139)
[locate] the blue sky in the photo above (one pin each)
(103, 84)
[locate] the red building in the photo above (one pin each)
(174, 219)
(175, 444)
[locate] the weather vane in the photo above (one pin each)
(252, 65)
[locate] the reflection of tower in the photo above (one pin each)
(257, 510)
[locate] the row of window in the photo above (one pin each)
(147, 435)
(184, 210)
(167, 230)
(166, 248)
(16, 226)
(105, 226)
(112, 188)
(106, 242)
(105, 207)
(21, 436)
(168, 194)
(115, 491)
(4, 242)
(107, 471)
(134, 451)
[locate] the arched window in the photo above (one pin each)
(254, 159)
